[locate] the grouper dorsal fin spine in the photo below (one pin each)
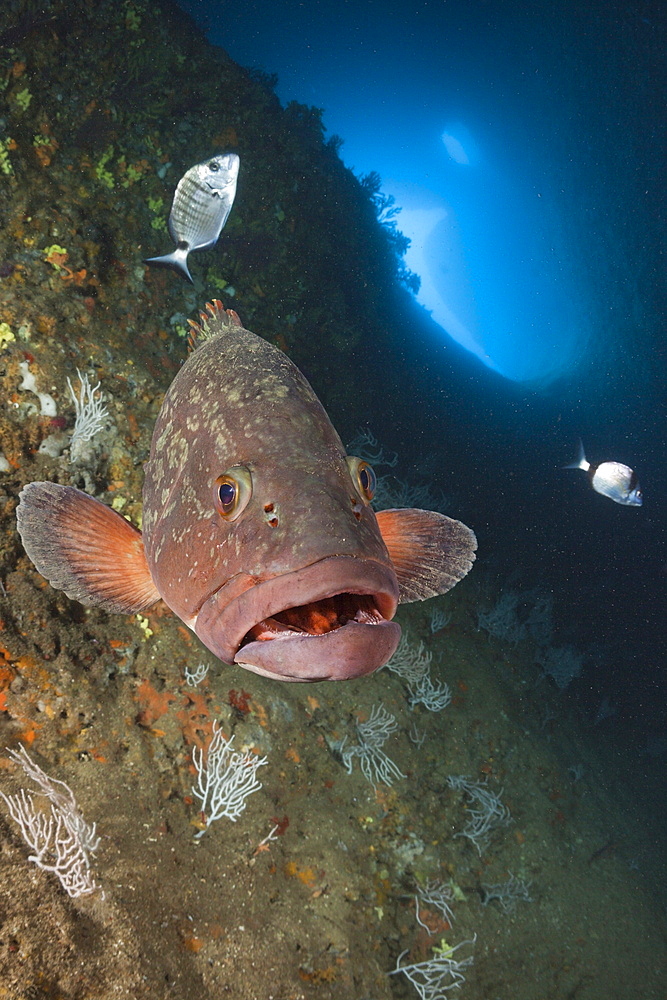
(212, 323)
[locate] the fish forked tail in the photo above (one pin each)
(177, 261)
(214, 321)
(580, 461)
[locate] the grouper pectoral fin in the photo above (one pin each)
(85, 548)
(430, 552)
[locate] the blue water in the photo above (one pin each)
(526, 148)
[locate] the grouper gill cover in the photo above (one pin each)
(257, 527)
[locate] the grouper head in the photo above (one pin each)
(258, 530)
(309, 590)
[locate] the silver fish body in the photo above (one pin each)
(611, 479)
(202, 202)
(618, 482)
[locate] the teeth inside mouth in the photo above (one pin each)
(317, 618)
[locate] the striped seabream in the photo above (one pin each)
(202, 203)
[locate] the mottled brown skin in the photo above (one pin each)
(239, 400)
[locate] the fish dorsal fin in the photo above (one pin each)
(214, 321)
(430, 552)
(86, 549)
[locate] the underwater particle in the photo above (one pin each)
(6, 335)
(455, 148)
(202, 202)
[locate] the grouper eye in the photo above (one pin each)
(363, 477)
(232, 491)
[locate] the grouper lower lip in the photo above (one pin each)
(326, 621)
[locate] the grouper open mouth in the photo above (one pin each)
(326, 621)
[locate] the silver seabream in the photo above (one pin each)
(202, 202)
(611, 479)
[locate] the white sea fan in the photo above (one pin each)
(90, 414)
(225, 779)
(375, 765)
(61, 841)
